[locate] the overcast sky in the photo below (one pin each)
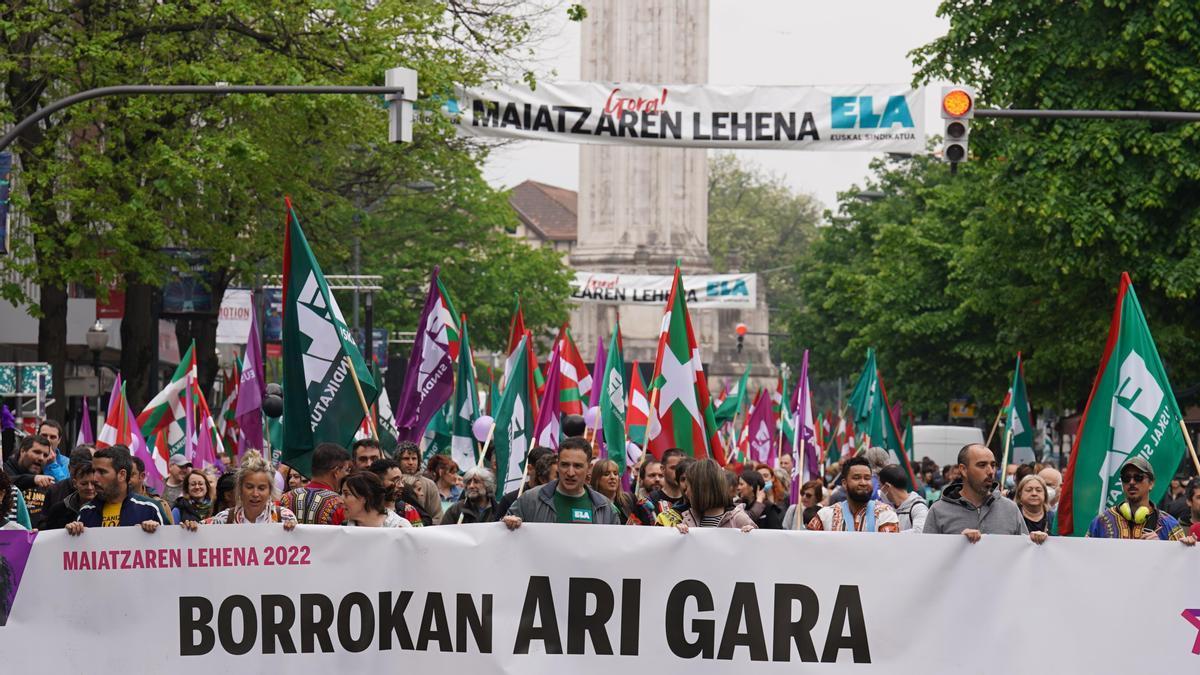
(770, 42)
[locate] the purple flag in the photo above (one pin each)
(15, 546)
(429, 380)
(594, 398)
(802, 423)
(250, 392)
(546, 430)
(761, 439)
(597, 373)
(86, 436)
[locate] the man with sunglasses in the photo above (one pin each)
(1136, 517)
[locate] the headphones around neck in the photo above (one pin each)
(1138, 517)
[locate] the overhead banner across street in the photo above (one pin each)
(574, 599)
(703, 290)
(873, 118)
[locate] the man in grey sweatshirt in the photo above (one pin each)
(973, 507)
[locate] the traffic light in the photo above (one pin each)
(958, 109)
(741, 335)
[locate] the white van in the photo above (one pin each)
(942, 443)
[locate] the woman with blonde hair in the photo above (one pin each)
(255, 498)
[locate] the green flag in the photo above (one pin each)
(319, 398)
(735, 401)
(514, 426)
(866, 390)
(438, 435)
(908, 440)
(385, 418)
(465, 405)
(612, 400)
(1018, 427)
(1131, 412)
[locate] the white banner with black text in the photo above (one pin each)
(576, 599)
(870, 117)
(703, 290)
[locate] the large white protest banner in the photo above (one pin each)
(703, 290)
(565, 599)
(874, 118)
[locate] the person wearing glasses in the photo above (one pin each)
(1136, 517)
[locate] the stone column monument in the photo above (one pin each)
(641, 209)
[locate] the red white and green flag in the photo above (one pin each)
(576, 382)
(519, 336)
(227, 418)
(163, 420)
(735, 402)
(120, 428)
(682, 415)
(1132, 412)
(637, 411)
(319, 397)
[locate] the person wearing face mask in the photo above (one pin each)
(1053, 479)
(894, 491)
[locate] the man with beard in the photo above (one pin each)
(115, 505)
(25, 470)
(650, 478)
(477, 504)
(858, 512)
(972, 506)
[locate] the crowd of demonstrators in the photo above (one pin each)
(365, 487)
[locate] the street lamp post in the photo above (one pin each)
(97, 341)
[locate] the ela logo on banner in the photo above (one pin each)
(858, 112)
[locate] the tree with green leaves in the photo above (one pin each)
(949, 276)
(757, 223)
(106, 186)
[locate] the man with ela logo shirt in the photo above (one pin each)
(568, 499)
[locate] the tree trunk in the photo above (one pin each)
(52, 344)
(139, 338)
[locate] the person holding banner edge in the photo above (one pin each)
(568, 499)
(973, 506)
(115, 505)
(1137, 517)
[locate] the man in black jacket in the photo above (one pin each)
(477, 504)
(25, 471)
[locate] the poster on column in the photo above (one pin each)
(587, 600)
(871, 118)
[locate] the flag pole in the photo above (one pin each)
(1191, 448)
(995, 424)
(362, 399)
(1004, 460)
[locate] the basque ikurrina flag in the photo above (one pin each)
(576, 384)
(162, 422)
(637, 411)
(319, 397)
(1131, 412)
(681, 414)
